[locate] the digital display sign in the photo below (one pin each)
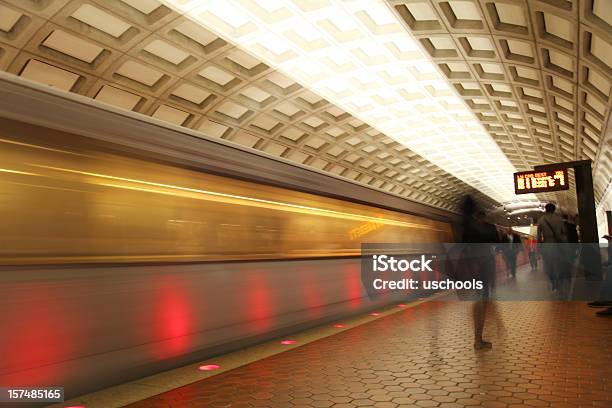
(540, 181)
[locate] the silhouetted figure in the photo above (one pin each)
(571, 230)
(571, 249)
(531, 246)
(605, 296)
(511, 247)
(477, 231)
(551, 233)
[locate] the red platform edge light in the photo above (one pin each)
(209, 367)
(286, 342)
(375, 314)
(338, 326)
(401, 305)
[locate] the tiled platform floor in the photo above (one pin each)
(548, 354)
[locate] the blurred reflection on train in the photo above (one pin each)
(90, 207)
(115, 267)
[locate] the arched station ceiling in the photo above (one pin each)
(539, 87)
(536, 73)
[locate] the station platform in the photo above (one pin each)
(544, 354)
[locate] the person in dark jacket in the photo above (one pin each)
(551, 233)
(605, 296)
(511, 246)
(571, 232)
(476, 230)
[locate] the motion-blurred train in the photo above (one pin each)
(128, 247)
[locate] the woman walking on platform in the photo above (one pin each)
(479, 260)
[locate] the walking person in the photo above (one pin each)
(532, 245)
(511, 246)
(605, 295)
(479, 262)
(551, 233)
(571, 254)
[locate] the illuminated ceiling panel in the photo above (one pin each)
(358, 56)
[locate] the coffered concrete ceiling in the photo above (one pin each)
(539, 100)
(536, 74)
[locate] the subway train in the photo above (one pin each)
(128, 246)
(77, 205)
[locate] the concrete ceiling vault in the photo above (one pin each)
(536, 74)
